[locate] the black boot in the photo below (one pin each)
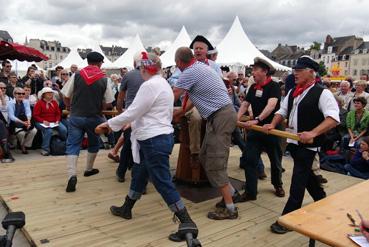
(186, 226)
(7, 156)
(125, 211)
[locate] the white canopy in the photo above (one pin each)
(126, 60)
(236, 47)
(107, 63)
(21, 67)
(72, 58)
(183, 39)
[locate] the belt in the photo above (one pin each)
(211, 116)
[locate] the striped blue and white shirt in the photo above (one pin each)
(206, 89)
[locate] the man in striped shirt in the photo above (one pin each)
(209, 95)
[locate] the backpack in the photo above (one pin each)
(57, 146)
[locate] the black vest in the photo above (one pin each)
(309, 115)
(87, 100)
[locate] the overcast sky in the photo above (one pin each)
(82, 23)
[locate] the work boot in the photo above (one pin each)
(235, 198)
(72, 182)
(223, 214)
(279, 191)
(184, 218)
(279, 229)
(321, 179)
(125, 211)
(245, 197)
(7, 156)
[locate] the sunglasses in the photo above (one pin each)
(64, 73)
(20, 93)
(2, 87)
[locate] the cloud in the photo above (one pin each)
(267, 23)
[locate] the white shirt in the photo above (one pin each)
(4, 108)
(67, 90)
(327, 105)
(150, 113)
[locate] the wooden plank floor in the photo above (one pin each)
(37, 187)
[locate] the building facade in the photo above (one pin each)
(336, 54)
(287, 55)
(359, 61)
(53, 49)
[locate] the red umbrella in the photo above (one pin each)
(20, 52)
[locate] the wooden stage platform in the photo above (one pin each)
(36, 185)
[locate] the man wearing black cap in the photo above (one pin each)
(264, 97)
(311, 111)
(201, 46)
(85, 94)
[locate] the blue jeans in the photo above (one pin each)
(356, 173)
(78, 126)
(47, 133)
(154, 163)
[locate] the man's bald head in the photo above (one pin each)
(184, 54)
(183, 57)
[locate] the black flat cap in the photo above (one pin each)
(200, 38)
(306, 62)
(95, 57)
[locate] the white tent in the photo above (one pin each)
(183, 39)
(21, 67)
(126, 60)
(107, 63)
(236, 47)
(72, 58)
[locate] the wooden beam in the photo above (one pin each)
(280, 133)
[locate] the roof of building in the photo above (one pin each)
(4, 35)
(364, 45)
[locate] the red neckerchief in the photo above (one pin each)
(91, 74)
(186, 97)
(259, 86)
(48, 103)
(300, 89)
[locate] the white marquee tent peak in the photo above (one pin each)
(183, 39)
(72, 58)
(126, 60)
(107, 63)
(236, 47)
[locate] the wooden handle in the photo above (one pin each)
(275, 132)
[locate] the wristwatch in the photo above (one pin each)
(258, 119)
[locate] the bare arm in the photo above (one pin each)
(66, 103)
(107, 106)
(360, 135)
(120, 99)
(269, 108)
(243, 109)
(177, 93)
